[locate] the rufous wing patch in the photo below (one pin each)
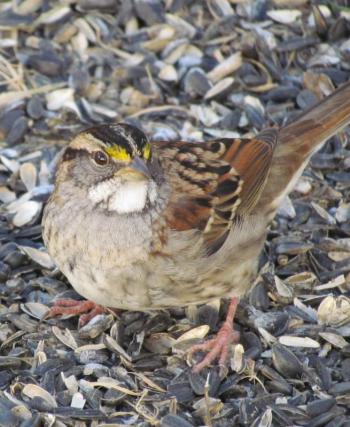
(213, 182)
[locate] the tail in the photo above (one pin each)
(298, 141)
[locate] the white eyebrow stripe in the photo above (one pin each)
(128, 137)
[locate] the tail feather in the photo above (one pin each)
(299, 140)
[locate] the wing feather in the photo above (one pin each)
(214, 182)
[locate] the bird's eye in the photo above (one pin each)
(100, 158)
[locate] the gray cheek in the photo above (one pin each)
(88, 174)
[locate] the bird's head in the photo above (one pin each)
(113, 163)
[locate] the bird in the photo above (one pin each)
(143, 225)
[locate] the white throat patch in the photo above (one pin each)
(123, 197)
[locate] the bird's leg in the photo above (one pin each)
(87, 309)
(219, 346)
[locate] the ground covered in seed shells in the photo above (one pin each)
(188, 70)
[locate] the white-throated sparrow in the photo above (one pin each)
(139, 225)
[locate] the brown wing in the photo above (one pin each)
(214, 181)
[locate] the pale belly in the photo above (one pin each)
(133, 279)
(138, 288)
(157, 282)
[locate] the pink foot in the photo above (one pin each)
(219, 346)
(73, 307)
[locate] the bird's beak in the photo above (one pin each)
(137, 170)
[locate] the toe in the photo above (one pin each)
(67, 307)
(85, 318)
(218, 347)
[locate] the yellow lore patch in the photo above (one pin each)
(147, 151)
(118, 153)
